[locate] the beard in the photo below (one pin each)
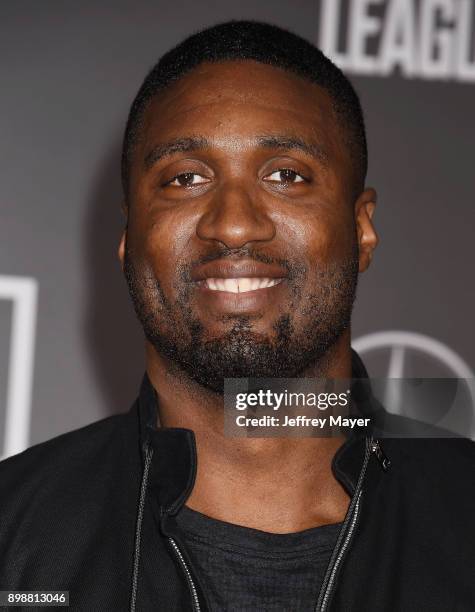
(300, 339)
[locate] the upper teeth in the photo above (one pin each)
(240, 285)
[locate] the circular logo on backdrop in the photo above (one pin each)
(405, 355)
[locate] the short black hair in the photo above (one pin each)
(264, 43)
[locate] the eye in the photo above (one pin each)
(286, 176)
(187, 179)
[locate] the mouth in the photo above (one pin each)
(240, 284)
(239, 287)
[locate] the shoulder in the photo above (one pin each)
(58, 495)
(432, 453)
(54, 469)
(64, 451)
(423, 447)
(435, 471)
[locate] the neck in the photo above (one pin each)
(279, 485)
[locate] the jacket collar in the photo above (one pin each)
(173, 469)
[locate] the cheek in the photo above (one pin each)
(339, 242)
(160, 240)
(321, 235)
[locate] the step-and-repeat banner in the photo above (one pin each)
(71, 351)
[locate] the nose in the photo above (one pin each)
(235, 218)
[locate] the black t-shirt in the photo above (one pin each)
(248, 570)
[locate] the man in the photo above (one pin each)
(248, 221)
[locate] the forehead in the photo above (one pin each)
(240, 99)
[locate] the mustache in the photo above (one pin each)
(294, 269)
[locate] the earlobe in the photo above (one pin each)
(121, 250)
(367, 236)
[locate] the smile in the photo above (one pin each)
(239, 285)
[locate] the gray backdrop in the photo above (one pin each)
(69, 71)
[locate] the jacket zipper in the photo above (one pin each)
(189, 578)
(351, 519)
(148, 451)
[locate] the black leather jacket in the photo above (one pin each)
(92, 512)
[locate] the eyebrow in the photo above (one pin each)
(178, 145)
(289, 143)
(198, 143)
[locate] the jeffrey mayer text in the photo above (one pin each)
(301, 421)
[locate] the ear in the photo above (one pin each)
(367, 237)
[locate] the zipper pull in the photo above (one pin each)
(384, 461)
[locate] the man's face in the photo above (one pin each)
(241, 248)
